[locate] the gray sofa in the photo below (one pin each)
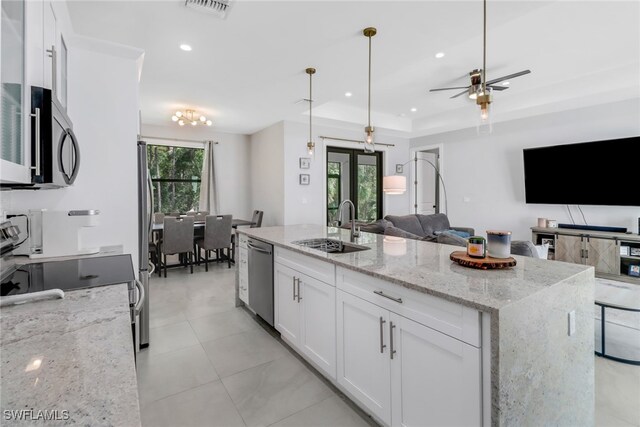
(434, 228)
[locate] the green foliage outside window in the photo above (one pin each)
(333, 191)
(175, 174)
(367, 193)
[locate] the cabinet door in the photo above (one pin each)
(286, 306)
(364, 368)
(243, 275)
(318, 328)
(49, 41)
(569, 249)
(436, 379)
(603, 255)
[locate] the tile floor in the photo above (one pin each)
(211, 364)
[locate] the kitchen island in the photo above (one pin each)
(415, 339)
(69, 361)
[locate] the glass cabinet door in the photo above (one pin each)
(12, 80)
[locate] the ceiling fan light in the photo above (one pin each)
(174, 118)
(179, 114)
(193, 123)
(209, 122)
(203, 119)
(181, 122)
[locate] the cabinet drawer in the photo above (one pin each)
(243, 290)
(452, 319)
(243, 266)
(312, 267)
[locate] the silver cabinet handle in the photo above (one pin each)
(391, 350)
(54, 71)
(36, 115)
(299, 297)
(382, 344)
(294, 287)
(382, 294)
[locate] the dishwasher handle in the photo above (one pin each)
(255, 248)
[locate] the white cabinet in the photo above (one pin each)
(243, 275)
(286, 307)
(363, 353)
(435, 379)
(304, 310)
(405, 373)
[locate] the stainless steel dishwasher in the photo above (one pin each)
(261, 279)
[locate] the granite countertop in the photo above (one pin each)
(75, 355)
(426, 267)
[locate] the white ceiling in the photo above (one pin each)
(247, 72)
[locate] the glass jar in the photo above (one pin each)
(477, 247)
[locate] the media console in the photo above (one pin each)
(613, 255)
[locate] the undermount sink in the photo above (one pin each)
(331, 246)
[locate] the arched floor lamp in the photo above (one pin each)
(397, 184)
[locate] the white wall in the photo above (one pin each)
(267, 174)
(305, 204)
(231, 158)
(103, 105)
(488, 169)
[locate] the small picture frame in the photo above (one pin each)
(305, 179)
(624, 250)
(399, 168)
(548, 241)
(634, 251)
(305, 163)
(634, 270)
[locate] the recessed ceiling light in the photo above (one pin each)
(185, 47)
(505, 83)
(414, 109)
(348, 94)
(440, 55)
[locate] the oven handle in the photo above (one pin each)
(36, 116)
(141, 297)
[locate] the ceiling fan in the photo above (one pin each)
(475, 87)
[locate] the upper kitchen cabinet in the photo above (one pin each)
(13, 109)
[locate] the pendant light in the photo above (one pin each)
(310, 144)
(484, 98)
(369, 146)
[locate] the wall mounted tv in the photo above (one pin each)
(590, 173)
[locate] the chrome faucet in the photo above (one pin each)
(354, 233)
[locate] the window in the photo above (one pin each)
(175, 173)
(333, 191)
(357, 176)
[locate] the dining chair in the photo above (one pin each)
(217, 237)
(177, 238)
(257, 219)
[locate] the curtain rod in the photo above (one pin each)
(177, 139)
(354, 140)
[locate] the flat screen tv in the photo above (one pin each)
(590, 173)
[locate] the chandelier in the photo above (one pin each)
(190, 116)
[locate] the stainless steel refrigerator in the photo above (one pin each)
(145, 225)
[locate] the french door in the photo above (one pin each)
(357, 176)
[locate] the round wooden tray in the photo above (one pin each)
(486, 263)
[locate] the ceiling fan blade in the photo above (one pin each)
(458, 94)
(448, 88)
(498, 87)
(510, 76)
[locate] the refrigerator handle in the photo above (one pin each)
(150, 192)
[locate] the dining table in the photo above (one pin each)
(158, 229)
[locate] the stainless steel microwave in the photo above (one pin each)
(55, 154)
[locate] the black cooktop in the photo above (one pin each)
(69, 274)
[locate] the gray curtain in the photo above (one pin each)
(208, 190)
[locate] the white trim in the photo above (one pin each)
(411, 179)
(176, 143)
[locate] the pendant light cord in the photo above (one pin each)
(310, 105)
(369, 103)
(484, 48)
